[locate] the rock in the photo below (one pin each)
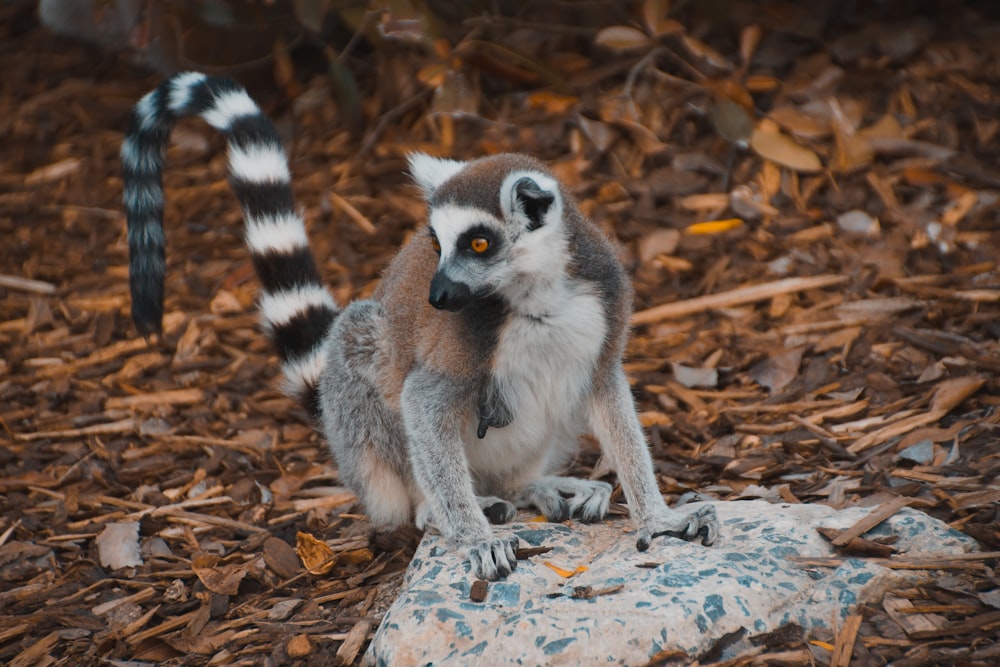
(627, 606)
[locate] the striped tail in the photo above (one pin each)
(296, 309)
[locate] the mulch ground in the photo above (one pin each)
(817, 319)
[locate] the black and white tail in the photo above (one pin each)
(297, 310)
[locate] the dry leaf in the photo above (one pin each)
(622, 38)
(563, 572)
(118, 545)
(223, 579)
(768, 142)
(659, 242)
(800, 123)
(695, 377)
(859, 222)
(281, 558)
(714, 226)
(316, 555)
(777, 371)
(733, 122)
(952, 392)
(853, 151)
(701, 50)
(654, 14)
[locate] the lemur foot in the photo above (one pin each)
(497, 511)
(560, 498)
(495, 558)
(686, 523)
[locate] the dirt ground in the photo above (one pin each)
(818, 311)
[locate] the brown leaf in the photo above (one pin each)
(316, 555)
(778, 370)
(654, 15)
(281, 558)
(768, 142)
(622, 38)
(952, 392)
(220, 579)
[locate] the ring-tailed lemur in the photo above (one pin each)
(493, 341)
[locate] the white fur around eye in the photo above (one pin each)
(449, 222)
(430, 172)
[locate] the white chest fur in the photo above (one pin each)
(543, 366)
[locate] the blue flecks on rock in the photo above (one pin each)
(746, 581)
(701, 622)
(504, 594)
(742, 604)
(847, 597)
(477, 649)
(714, 608)
(759, 625)
(642, 604)
(708, 572)
(427, 598)
(677, 580)
(783, 551)
(445, 614)
(557, 646)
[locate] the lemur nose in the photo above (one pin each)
(447, 294)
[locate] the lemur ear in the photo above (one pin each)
(533, 201)
(430, 172)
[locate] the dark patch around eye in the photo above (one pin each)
(478, 231)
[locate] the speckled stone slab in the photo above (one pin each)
(676, 596)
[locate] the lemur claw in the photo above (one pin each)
(701, 521)
(495, 558)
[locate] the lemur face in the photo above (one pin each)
(493, 235)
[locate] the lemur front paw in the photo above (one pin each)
(495, 558)
(493, 409)
(686, 523)
(561, 498)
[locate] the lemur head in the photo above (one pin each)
(496, 224)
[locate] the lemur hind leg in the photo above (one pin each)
(561, 498)
(364, 433)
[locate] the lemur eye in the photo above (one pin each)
(436, 244)
(479, 245)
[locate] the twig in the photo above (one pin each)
(354, 214)
(26, 284)
(735, 297)
(874, 518)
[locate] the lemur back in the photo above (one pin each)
(494, 341)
